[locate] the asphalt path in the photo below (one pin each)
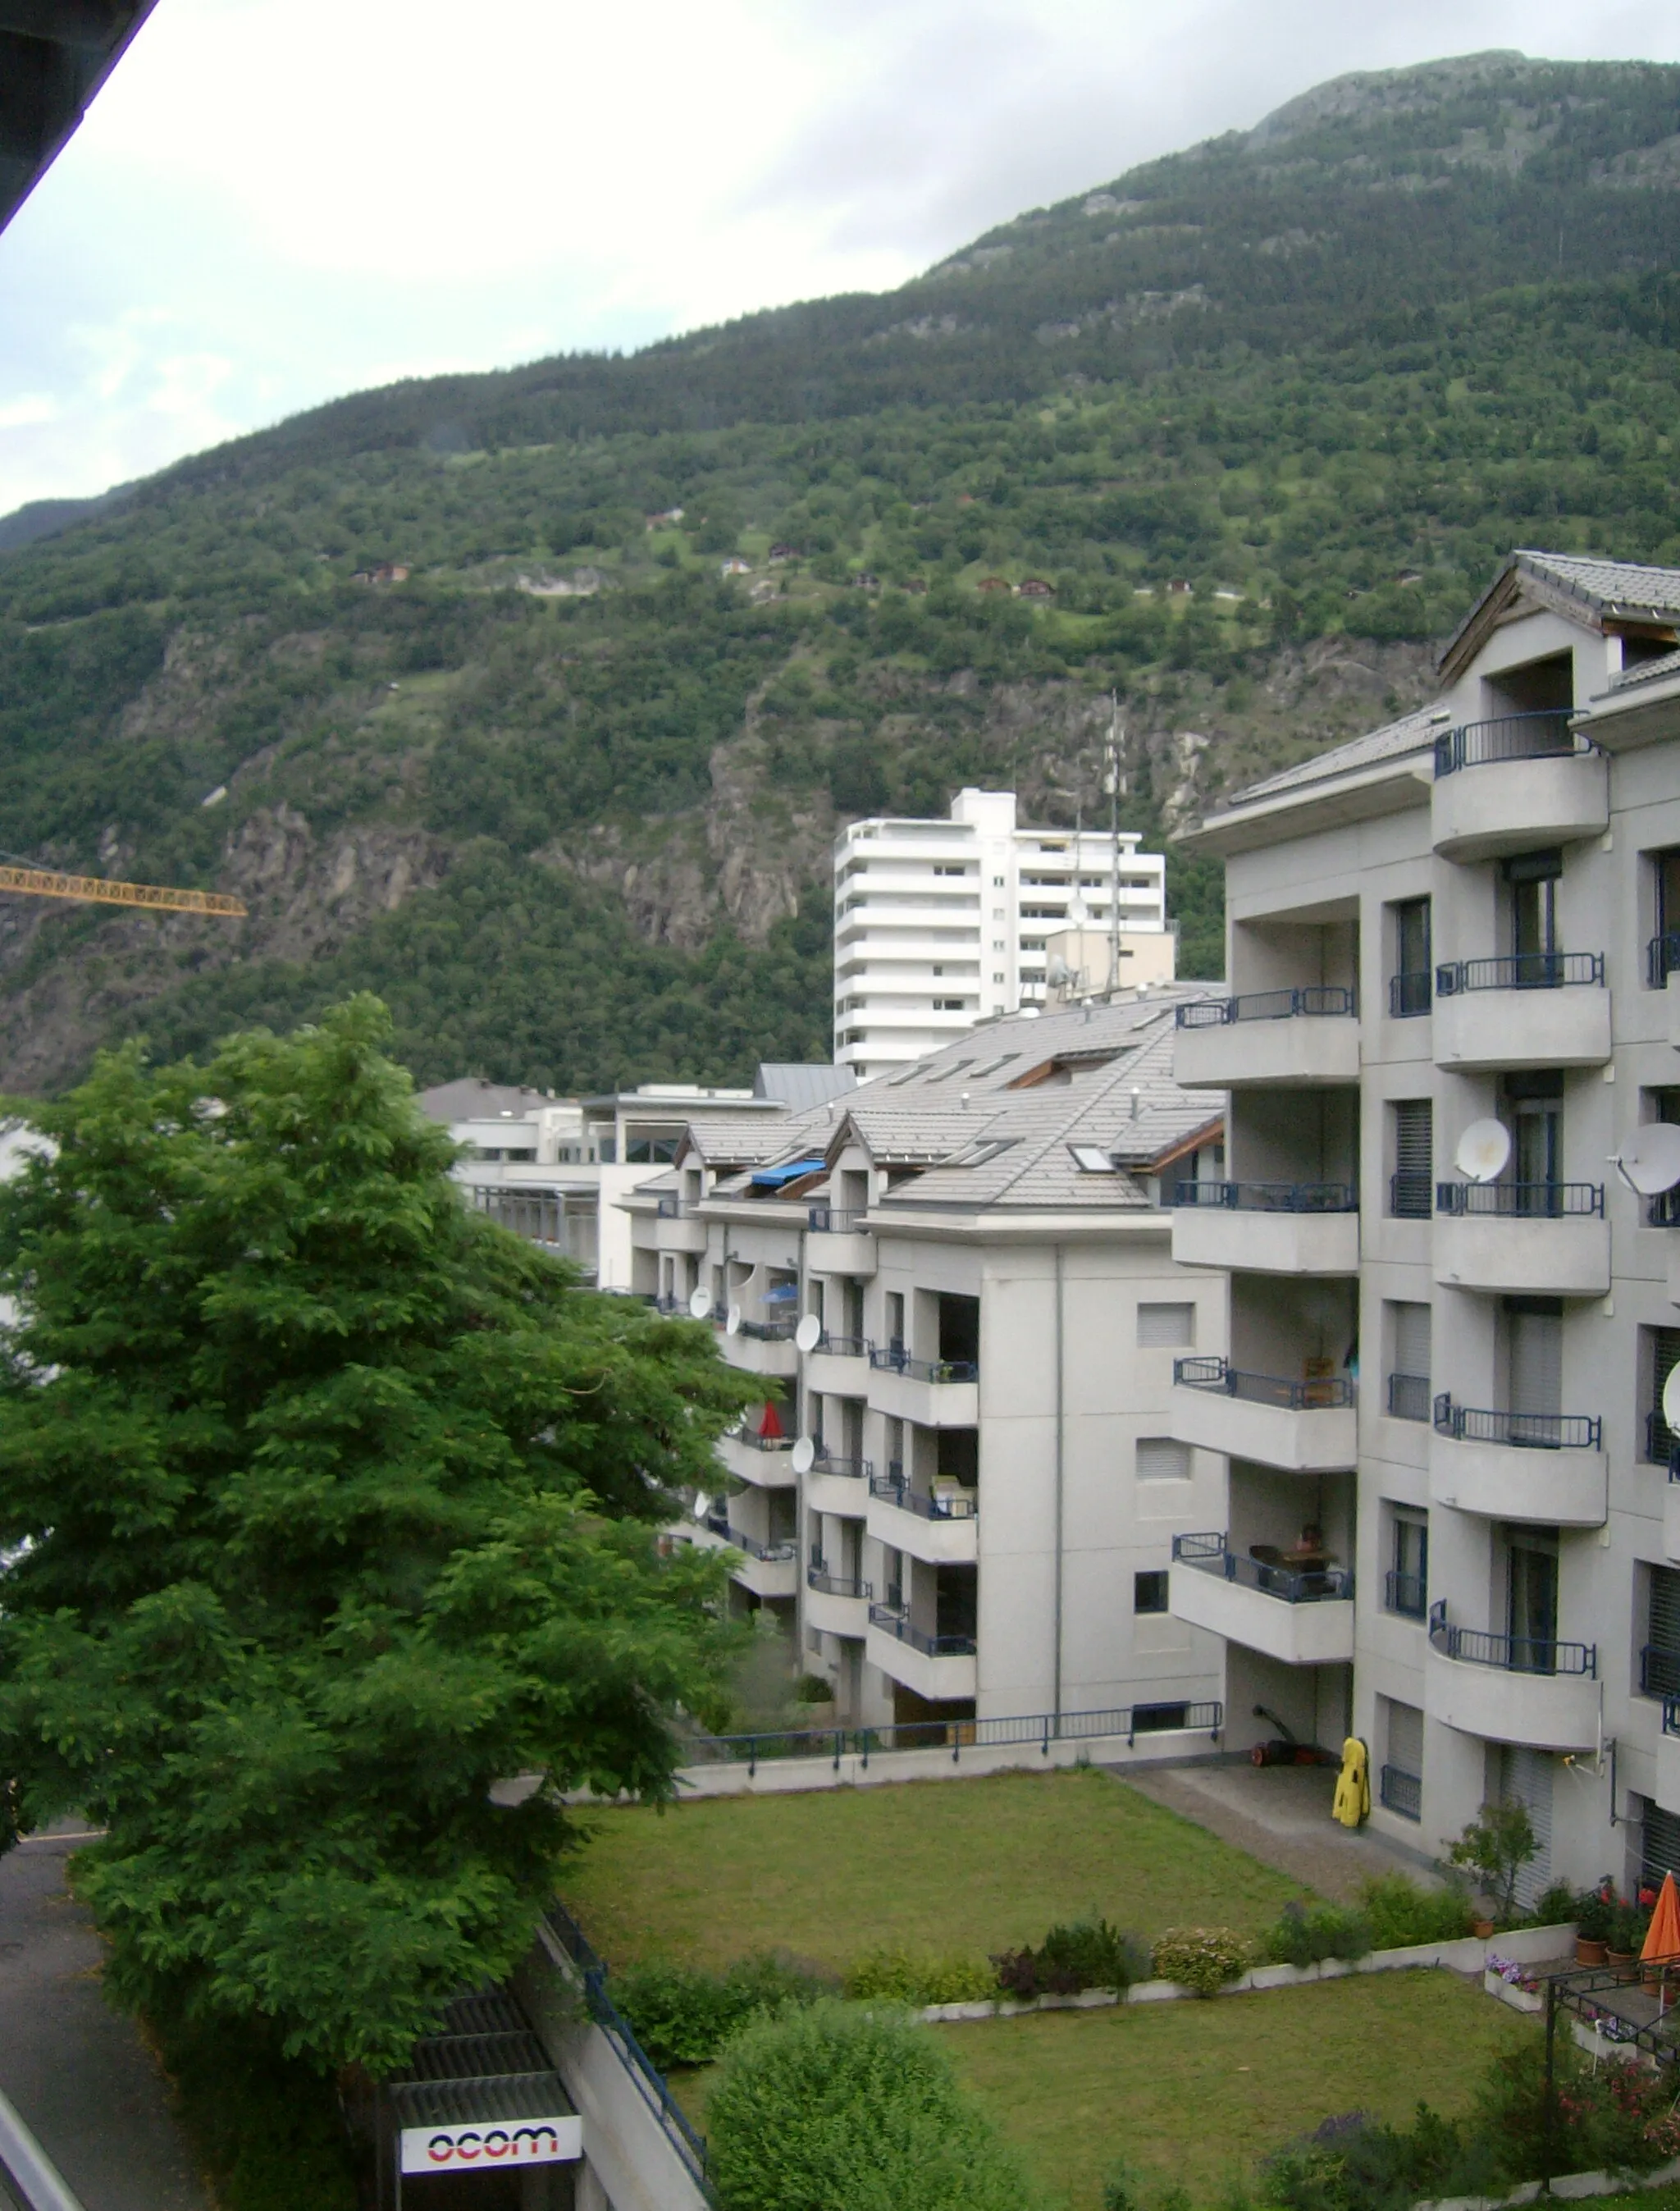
(78, 2071)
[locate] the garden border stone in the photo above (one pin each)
(1567, 2185)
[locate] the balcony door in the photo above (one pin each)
(1534, 1368)
(1531, 1609)
(1532, 879)
(1526, 1777)
(1535, 1104)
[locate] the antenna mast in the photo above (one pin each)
(1114, 836)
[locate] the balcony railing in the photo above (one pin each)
(672, 1207)
(1660, 1448)
(1540, 736)
(1294, 1585)
(828, 1584)
(774, 1554)
(1659, 1671)
(1662, 957)
(1409, 1193)
(1672, 1715)
(848, 1470)
(1213, 1374)
(1522, 1200)
(892, 1489)
(1404, 1594)
(1513, 1654)
(931, 1646)
(1519, 970)
(1269, 1196)
(1409, 1396)
(842, 1347)
(1408, 993)
(1315, 999)
(1518, 1431)
(835, 1219)
(1402, 1792)
(893, 1361)
(750, 1442)
(768, 1332)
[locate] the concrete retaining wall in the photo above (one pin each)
(775, 1776)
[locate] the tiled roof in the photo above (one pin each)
(1413, 733)
(469, 1099)
(1648, 671)
(1607, 585)
(802, 1084)
(724, 1141)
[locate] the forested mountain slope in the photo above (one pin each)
(565, 794)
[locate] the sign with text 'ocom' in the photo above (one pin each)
(492, 2142)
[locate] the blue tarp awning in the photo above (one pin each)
(773, 1178)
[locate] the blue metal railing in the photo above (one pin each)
(1522, 1200)
(1211, 1555)
(850, 1469)
(1402, 1792)
(1314, 1000)
(1519, 970)
(892, 1360)
(592, 1968)
(672, 1207)
(1207, 1717)
(1541, 734)
(773, 1555)
(842, 1347)
(1518, 1431)
(1662, 957)
(898, 1623)
(1404, 1594)
(828, 1584)
(1268, 1196)
(893, 1489)
(1409, 1396)
(768, 1332)
(1213, 1374)
(1672, 1715)
(1514, 1654)
(1408, 993)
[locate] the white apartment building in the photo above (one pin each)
(941, 924)
(1452, 1522)
(552, 1169)
(960, 1489)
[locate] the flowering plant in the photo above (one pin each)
(1201, 1957)
(1514, 1976)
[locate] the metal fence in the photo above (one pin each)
(1210, 1555)
(893, 1361)
(1207, 1717)
(1404, 1594)
(1315, 999)
(1662, 957)
(1542, 735)
(835, 1219)
(1519, 970)
(892, 1489)
(1522, 1200)
(1408, 993)
(894, 1622)
(1409, 1396)
(1268, 1196)
(1514, 1654)
(1402, 1792)
(1213, 1374)
(1519, 1431)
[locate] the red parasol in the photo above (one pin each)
(770, 1429)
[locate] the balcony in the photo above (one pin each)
(1284, 1039)
(1518, 781)
(1548, 1238)
(938, 1667)
(1267, 1227)
(837, 1242)
(840, 1486)
(835, 1603)
(934, 1393)
(676, 1226)
(839, 1366)
(1302, 1619)
(1516, 1689)
(764, 1460)
(1401, 1792)
(1668, 1757)
(943, 1529)
(761, 1346)
(1304, 1428)
(1532, 1010)
(769, 1570)
(1548, 1468)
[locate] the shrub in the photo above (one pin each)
(830, 2108)
(1400, 1913)
(1201, 1957)
(1305, 1933)
(1083, 1954)
(813, 1689)
(1595, 1911)
(1498, 1846)
(684, 2015)
(909, 1976)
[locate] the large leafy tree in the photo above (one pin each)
(324, 1505)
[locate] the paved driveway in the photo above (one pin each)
(81, 2079)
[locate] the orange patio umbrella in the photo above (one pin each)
(1662, 1942)
(771, 1430)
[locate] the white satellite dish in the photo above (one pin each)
(699, 1303)
(804, 1453)
(702, 1505)
(1483, 1148)
(732, 1325)
(1078, 913)
(1671, 1402)
(809, 1333)
(1649, 1161)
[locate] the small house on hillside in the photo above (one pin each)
(778, 554)
(386, 572)
(1179, 589)
(667, 520)
(918, 584)
(993, 585)
(1035, 587)
(863, 581)
(734, 565)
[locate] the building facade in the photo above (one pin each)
(941, 924)
(960, 1488)
(1450, 1525)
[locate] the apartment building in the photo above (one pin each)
(1450, 1522)
(959, 1489)
(552, 1169)
(941, 924)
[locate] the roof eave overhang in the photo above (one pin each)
(1622, 722)
(1025, 1224)
(1395, 787)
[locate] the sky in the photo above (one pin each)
(274, 201)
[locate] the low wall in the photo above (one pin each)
(852, 1770)
(1571, 2187)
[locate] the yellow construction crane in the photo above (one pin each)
(156, 898)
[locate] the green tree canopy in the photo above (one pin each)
(324, 1503)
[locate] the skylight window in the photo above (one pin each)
(956, 1067)
(992, 1065)
(982, 1154)
(1089, 1160)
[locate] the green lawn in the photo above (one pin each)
(969, 1866)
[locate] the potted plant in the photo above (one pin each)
(1498, 1846)
(1627, 1924)
(1594, 1909)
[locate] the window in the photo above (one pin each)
(1665, 944)
(1409, 989)
(997, 882)
(947, 1005)
(1406, 1588)
(1411, 1191)
(1089, 1160)
(997, 978)
(1148, 1591)
(1409, 1370)
(1662, 1350)
(1401, 1787)
(1659, 1844)
(1162, 1327)
(1659, 1661)
(1532, 880)
(1534, 1359)
(1531, 1610)
(1162, 1458)
(1535, 1103)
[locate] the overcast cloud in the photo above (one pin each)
(276, 201)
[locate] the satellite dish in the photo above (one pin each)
(732, 1325)
(1650, 1159)
(804, 1453)
(1483, 1148)
(809, 1333)
(699, 1303)
(1078, 913)
(702, 1505)
(1057, 972)
(516, 1788)
(1672, 1400)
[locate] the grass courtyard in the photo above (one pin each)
(947, 1866)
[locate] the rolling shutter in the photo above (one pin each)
(1163, 1328)
(1162, 1458)
(1536, 1362)
(1526, 1775)
(1406, 1737)
(1659, 1848)
(1414, 1159)
(1665, 1358)
(1664, 1618)
(1411, 1341)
